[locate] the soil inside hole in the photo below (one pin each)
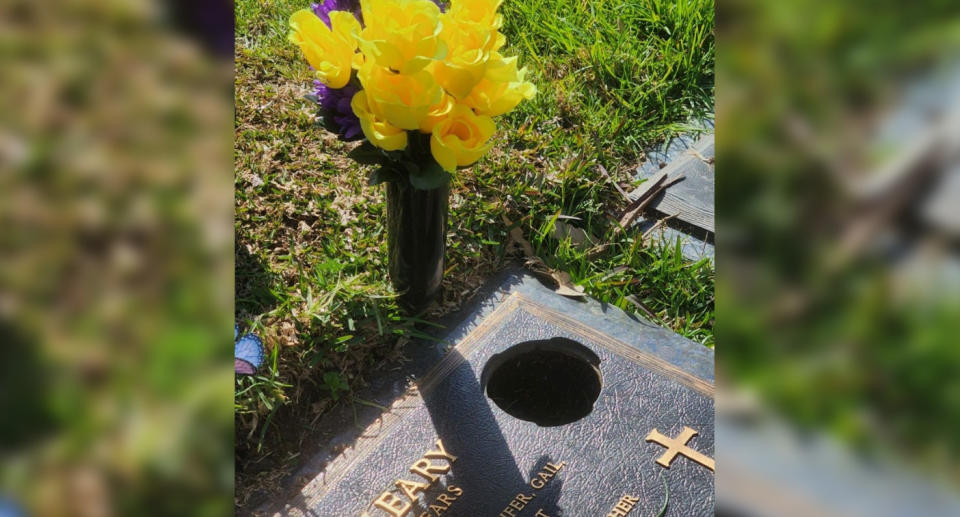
(547, 387)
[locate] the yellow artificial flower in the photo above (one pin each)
(401, 100)
(470, 33)
(330, 51)
(466, 60)
(378, 131)
(438, 112)
(461, 138)
(502, 87)
(402, 35)
(480, 12)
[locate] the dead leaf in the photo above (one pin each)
(517, 239)
(565, 285)
(708, 161)
(578, 237)
(287, 334)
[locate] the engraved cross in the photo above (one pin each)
(678, 445)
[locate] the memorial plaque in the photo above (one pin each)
(544, 407)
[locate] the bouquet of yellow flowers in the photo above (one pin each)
(420, 82)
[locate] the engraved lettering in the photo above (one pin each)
(443, 502)
(393, 505)
(428, 469)
(411, 488)
(540, 513)
(517, 504)
(624, 506)
(545, 475)
(441, 453)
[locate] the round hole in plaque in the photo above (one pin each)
(549, 382)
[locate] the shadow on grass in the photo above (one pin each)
(24, 390)
(254, 284)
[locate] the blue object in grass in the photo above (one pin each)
(247, 353)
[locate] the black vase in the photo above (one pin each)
(416, 242)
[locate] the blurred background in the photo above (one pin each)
(838, 299)
(116, 294)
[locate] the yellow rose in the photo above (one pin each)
(378, 131)
(401, 100)
(502, 87)
(461, 138)
(438, 112)
(470, 33)
(466, 60)
(329, 51)
(480, 12)
(402, 35)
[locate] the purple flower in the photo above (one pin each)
(323, 10)
(335, 104)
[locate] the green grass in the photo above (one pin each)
(614, 78)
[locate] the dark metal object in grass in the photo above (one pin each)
(416, 239)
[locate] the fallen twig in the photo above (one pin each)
(653, 228)
(633, 299)
(622, 192)
(646, 194)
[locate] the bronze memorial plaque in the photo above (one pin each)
(545, 407)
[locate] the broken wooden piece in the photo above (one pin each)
(692, 202)
(645, 194)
